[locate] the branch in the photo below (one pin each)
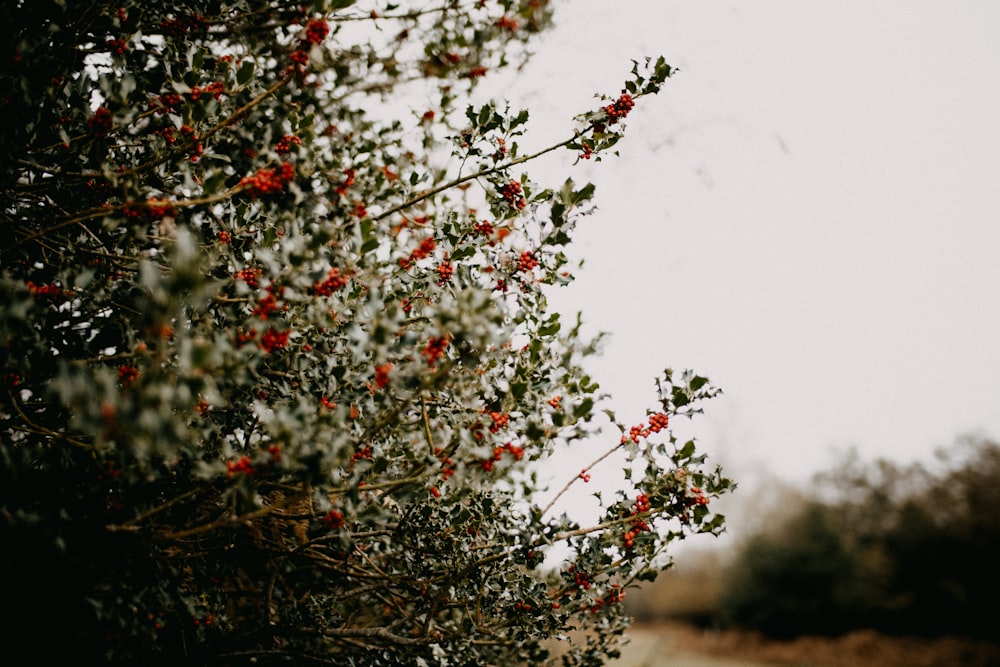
(479, 174)
(42, 430)
(380, 633)
(573, 481)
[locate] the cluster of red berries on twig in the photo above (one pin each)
(285, 144)
(487, 230)
(580, 578)
(215, 89)
(435, 349)
(316, 31)
(241, 466)
(445, 271)
(250, 276)
(118, 46)
(100, 124)
(166, 102)
(382, 375)
(423, 250)
(697, 496)
(620, 108)
(153, 209)
(273, 340)
(500, 420)
(244, 336)
(657, 423)
(507, 23)
(268, 181)
(333, 520)
(181, 26)
(50, 291)
(268, 304)
(334, 281)
(637, 525)
(498, 452)
(341, 188)
(615, 595)
(513, 194)
(526, 262)
(127, 374)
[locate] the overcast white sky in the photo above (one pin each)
(809, 214)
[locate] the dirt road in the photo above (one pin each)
(656, 646)
(670, 644)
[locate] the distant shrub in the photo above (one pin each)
(901, 549)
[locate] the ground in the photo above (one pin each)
(670, 644)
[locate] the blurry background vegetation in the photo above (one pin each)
(902, 549)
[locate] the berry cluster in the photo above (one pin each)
(181, 26)
(268, 304)
(435, 349)
(512, 449)
(580, 578)
(153, 209)
(333, 520)
(273, 340)
(382, 375)
(620, 108)
(341, 188)
(512, 194)
(637, 525)
(250, 276)
(445, 271)
(50, 291)
(423, 250)
(215, 89)
(614, 596)
(244, 336)
(500, 420)
(657, 423)
(127, 374)
(334, 281)
(316, 31)
(100, 124)
(285, 144)
(241, 466)
(507, 23)
(166, 102)
(268, 181)
(697, 496)
(118, 46)
(526, 262)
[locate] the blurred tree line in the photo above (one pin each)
(903, 549)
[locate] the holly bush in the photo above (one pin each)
(278, 370)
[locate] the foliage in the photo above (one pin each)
(278, 368)
(902, 549)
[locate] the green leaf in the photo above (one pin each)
(245, 72)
